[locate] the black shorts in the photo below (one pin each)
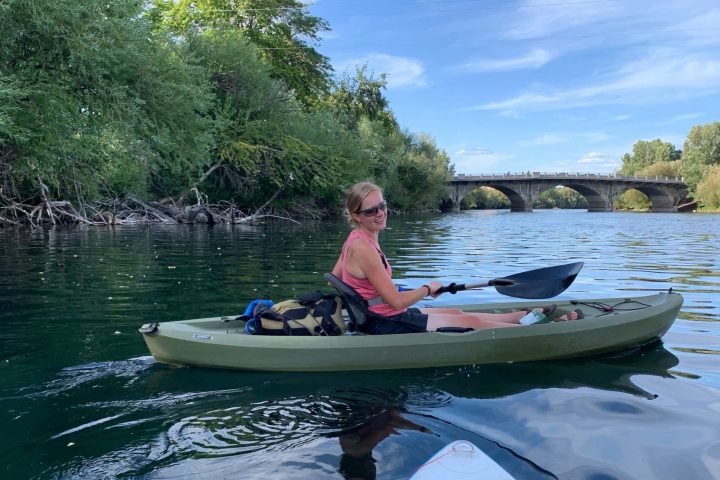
(410, 321)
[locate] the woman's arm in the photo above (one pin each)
(337, 269)
(364, 259)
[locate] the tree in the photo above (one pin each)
(560, 197)
(361, 96)
(708, 190)
(701, 149)
(422, 175)
(261, 131)
(105, 107)
(485, 198)
(283, 30)
(632, 200)
(662, 169)
(646, 153)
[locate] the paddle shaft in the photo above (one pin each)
(458, 287)
(544, 282)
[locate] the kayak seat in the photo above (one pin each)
(355, 305)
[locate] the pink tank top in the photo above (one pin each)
(362, 285)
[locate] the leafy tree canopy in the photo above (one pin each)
(361, 96)
(283, 30)
(646, 153)
(102, 102)
(701, 149)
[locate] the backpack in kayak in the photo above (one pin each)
(310, 314)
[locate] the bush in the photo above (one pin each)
(708, 190)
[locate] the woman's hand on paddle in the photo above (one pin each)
(434, 286)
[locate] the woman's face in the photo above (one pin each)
(373, 213)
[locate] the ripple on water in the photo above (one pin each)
(279, 425)
(78, 376)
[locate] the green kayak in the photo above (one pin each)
(609, 325)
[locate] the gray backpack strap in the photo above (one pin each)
(375, 301)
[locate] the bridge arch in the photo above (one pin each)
(599, 190)
(517, 202)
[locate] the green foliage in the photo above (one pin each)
(662, 169)
(649, 158)
(485, 198)
(489, 198)
(708, 190)
(101, 97)
(632, 200)
(646, 153)
(263, 133)
(701, 149)
(411, 169)
(10, 102)
(560, 197)
(636, 200)
(360, 96)
(283, 31)
(421, 175)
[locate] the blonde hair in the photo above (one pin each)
(355, 198)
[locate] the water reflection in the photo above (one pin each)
(216, 414)
(357, 443)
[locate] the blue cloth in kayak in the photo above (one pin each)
(249, 313)
(252, 306)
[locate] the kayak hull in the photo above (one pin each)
(221, 342)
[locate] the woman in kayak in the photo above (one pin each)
(363, 266)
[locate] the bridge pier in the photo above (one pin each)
(599, 197)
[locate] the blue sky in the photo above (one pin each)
(536, 85)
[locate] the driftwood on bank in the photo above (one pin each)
(132, 210)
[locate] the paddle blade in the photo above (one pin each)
(540, 283)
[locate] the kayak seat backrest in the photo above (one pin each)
(355, 305)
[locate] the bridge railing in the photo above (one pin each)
(578, 175)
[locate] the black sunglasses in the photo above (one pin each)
(372, 211)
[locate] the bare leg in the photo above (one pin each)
(512, 317)
(455, 311)
(452, 317)
(440, 320)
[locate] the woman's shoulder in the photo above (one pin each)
(364, 237)
(360, 242)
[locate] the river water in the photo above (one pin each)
(80, 397)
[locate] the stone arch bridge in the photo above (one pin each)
(599, 190)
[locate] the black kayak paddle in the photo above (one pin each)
(539, 283)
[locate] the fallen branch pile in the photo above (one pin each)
(131, 210)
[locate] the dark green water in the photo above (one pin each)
(81, 398)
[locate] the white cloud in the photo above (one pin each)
(701, 30)
(593, 157)
(595, 162)
(558, 138)
(536, 58)
(477, 160)
(401, 71)
(664, 74)
(685, 116)
(538, 18)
